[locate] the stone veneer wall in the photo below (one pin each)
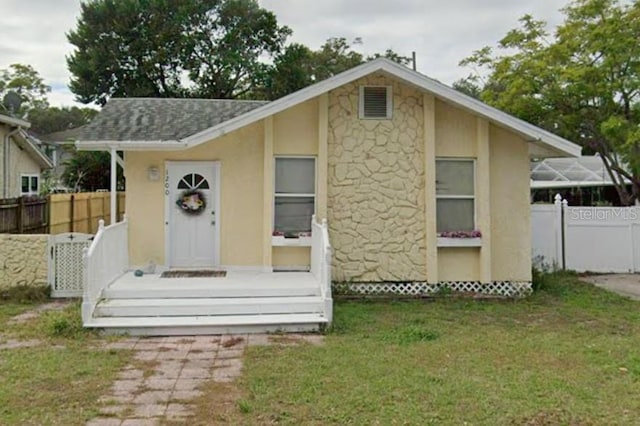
(23, 260)
(376, 204)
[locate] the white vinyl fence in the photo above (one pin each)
(596, 239)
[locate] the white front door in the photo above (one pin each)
(192, 194)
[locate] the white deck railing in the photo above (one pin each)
(321, 263)
(106, 259)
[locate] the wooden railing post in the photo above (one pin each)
(72, 213)
(47, 214)
(89, 216)
(20, 215)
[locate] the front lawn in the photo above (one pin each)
(60, 373)
(570, 354)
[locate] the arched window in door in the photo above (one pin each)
(193, 181)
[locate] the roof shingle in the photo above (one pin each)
(161, 119)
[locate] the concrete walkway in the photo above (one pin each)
(624, 284)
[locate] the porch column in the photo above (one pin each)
(267, 208)
(429, 108)
(483, 198)
(114, 187)
(323, 156)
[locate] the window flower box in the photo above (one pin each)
(460, 239)
(286, 239)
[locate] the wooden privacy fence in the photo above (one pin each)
(81, 212)
(24, 215)
(58, 213)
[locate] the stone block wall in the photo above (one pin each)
(376, 200)
(23, 260)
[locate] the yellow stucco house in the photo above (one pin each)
(420, 185)
(21, 161)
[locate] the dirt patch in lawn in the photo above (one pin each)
(58, 305)
(219, 404)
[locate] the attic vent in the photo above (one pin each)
(375, 102)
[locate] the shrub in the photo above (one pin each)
(66, 323)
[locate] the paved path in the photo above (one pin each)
(171, 371)
(168, 371)
(623, 284)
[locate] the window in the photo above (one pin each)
(29, 184)
(455, 194)
(295, 194)
(375, 102)
(193, 181)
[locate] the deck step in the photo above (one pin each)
(191, 292)
(194, 325)
(174, 307)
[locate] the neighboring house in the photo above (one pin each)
(21, 160)
(397, 163)
(60, 147)
(582, 181)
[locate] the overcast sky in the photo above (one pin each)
(441, 32)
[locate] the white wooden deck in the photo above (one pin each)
(239, 302)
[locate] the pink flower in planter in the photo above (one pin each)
(461, 234)
(290, 234)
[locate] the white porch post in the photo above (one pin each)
(114, 190)
(323, 155)
(267, 212)
(483, 197)
(431, 228)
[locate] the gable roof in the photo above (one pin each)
(30, 144)
(63, 136)
(12, 121)
(161, 119)
(26, 141)
(547, 140)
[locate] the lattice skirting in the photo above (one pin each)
(68, 269)
(496, 288)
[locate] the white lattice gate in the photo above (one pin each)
(65, 263)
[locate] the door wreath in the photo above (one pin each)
(192, 202)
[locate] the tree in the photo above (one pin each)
(55, 119)
(162, 48)
(468, 87)
(25, 81)
(90, 171)
(292, 70)
(298, 66)
(392, 55)
(582, 83)
(226, 44)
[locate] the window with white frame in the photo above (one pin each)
(29, 184)
(295, 194)
(375, 102)
(455, 195)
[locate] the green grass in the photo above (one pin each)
(567, 355)
(59, 381)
